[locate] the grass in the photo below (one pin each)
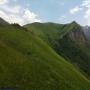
(28, 63)
(68, 40)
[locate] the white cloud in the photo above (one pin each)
(87, 16)
(11, 18)
(87, 13)
(17, 14)
(16, 19)
(86, 3)
(75, 10)
(86, 6)
(62, 17)
(30, 16)
(26, 17)
(3, 15)
(3, 1)
(11, 9)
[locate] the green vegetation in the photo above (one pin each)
(67, 40)
(28, 63)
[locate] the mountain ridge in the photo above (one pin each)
(28, 62)
(67, 40)
(3, 22)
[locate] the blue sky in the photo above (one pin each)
(58, 11)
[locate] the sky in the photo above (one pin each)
(57, 11)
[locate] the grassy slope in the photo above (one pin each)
(27, 63)
(57, 36)
(48, 31)
(3, 22)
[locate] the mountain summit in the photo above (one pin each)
(43, 56)
(67, 40)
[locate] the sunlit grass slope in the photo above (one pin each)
(27, 63)
(67, 40)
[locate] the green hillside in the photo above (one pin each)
(67, 40)
(3, 22)
(28, 63)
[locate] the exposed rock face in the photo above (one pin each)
(77, 34)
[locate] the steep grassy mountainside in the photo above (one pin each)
(28, 63)
(3, 22)
(67, 40)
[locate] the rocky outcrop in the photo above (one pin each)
(77, 34)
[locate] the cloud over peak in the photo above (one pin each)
(30, 16)
(75, 10)
(3, 1)
(17, 13)
(86, 5)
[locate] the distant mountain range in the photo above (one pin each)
(44, 56)
(67, 40)
(87, 32)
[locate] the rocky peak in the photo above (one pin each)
(77, 34)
